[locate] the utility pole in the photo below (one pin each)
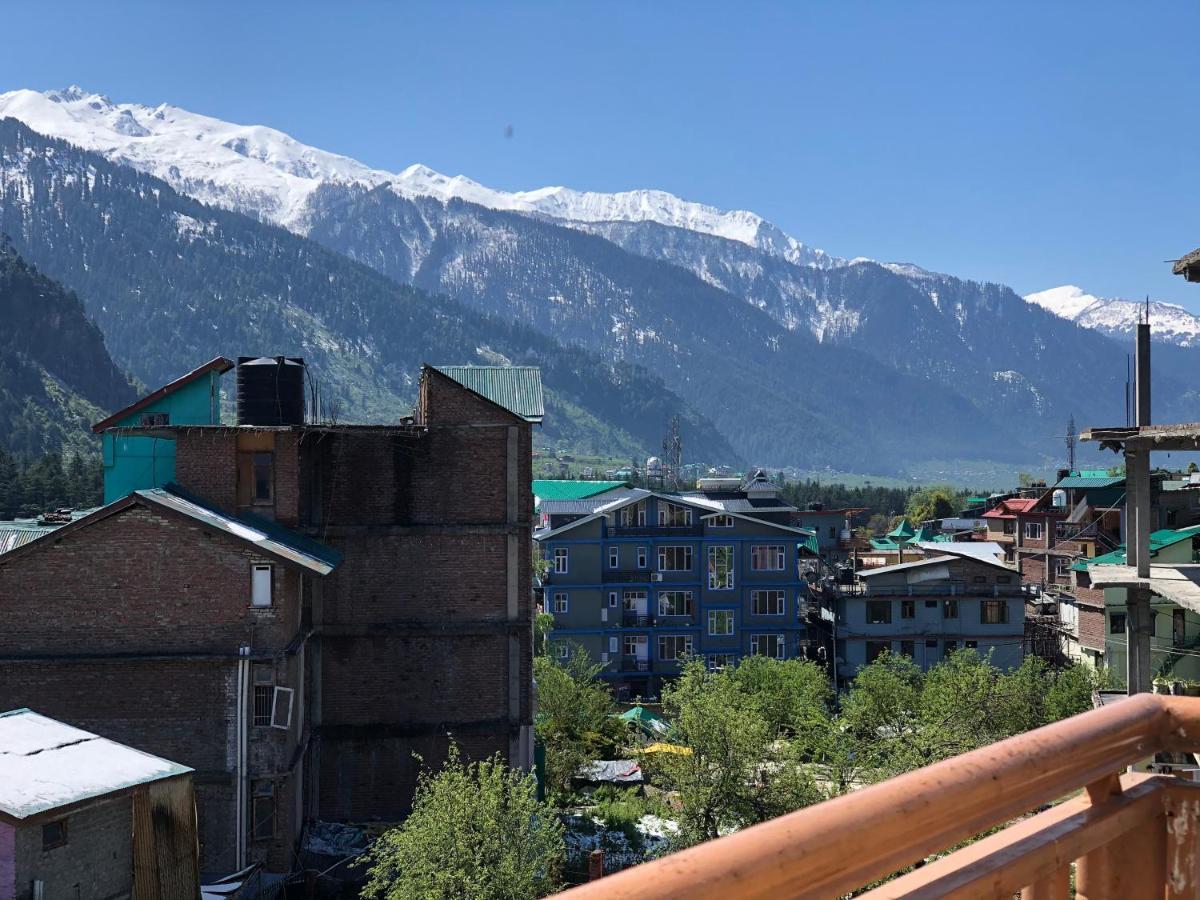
(1072, 437)
(1139, 616)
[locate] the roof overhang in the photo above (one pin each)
(1179, 584)
(1146, 437)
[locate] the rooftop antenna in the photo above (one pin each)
(1072, 435)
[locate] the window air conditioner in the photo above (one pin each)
(656, 576)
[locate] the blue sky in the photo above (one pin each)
(1034, 144)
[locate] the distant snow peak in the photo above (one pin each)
(270, 175)
(1169, 322)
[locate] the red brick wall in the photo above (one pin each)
(1092, 626)
(206, 465)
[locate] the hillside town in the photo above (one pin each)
(506, 451)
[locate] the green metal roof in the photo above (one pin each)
(810, 544)
(560, 489)
(516, 388)
(903, 530)
(1158, 539)
(1091, 481)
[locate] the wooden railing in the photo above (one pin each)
(1131, 836)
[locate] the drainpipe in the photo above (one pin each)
(242, 786)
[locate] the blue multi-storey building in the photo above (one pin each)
(642, 579)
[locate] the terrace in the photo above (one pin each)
(1129, 836)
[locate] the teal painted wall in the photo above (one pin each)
(133, 463)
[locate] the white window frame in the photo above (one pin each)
(667, 512)
(562, 602)
(614, 644)
(724, 520)
(730, 574)
(257, 587)
(674, 639)
(687, 600)
(281, 693)
(614, 599)
(635, 640)
(726, 660)
(643, 558)
(1031, 527)
(614, 557)
(561, 650)
(687, 556)
(775, 557)
(712, 618)
(756, 640)
(562, 560)
(782, 595)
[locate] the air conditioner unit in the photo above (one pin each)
(603, 614)
(656, 576)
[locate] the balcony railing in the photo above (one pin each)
(657, 530)
(1131, 836)
(635, 664)
(636, 619)
(626, 577)
(950, 590)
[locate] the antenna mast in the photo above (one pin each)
(1072, 436)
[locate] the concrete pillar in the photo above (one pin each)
(1142, 369)
(1139, 616)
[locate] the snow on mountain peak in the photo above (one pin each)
(1169, 322)
(268, 174)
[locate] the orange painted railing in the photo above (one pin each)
(1132, 836)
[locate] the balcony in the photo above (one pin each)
(1130, 836)
(944, 590)
(635, 664)
(631, 619)
(635, 576)
(665, 531)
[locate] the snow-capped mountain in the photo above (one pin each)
(1170, 323)
(270, 175)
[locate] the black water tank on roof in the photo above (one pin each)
(270, 390)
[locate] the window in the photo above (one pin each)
(767, 558)
(561, 602)
(767, 603)
(1178, 627)
(612, 599)
(263, 464)
(1010, 526)
(674, 603)
(720, 621)
(951, 646)
(1116, 623)
(950, 609)
(560, 560)
(612, 644)
(1062, 566)
(718, 661)
(832, 532)
(931, 604)
(993, 612)
(674, 646)
(561, 650)
(771, 645)
(971, 645)
(908, 648)
(675, 559)
(154, 419)
(672, 515)
(879, 612)
(720, 568)
(635, 645)
(875, 650)
(260, 585)
(614, 557)
(264, 692)
(930, 645)
(908, 609)
(641, 557)
(634, 601)
(1033, 531)
(721, 521)
(979, 579)
(1003, 579)
(54, 834)
(262, 809)
(281, 708)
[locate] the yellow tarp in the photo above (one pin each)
(668, 748)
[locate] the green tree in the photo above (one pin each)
(476, 830)
(738, 771)
(791, 695)
(933, 503)
(574, 719)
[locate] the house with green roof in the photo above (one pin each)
(1173, 648)
(567, 489)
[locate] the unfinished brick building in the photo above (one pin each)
(300, 610)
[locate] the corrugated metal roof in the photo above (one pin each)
(1158, 539)
(16, 533)
(554, 489)
(517, 388)
(588, 505)
(1089, 481)
(270, 537)
(46, 764)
